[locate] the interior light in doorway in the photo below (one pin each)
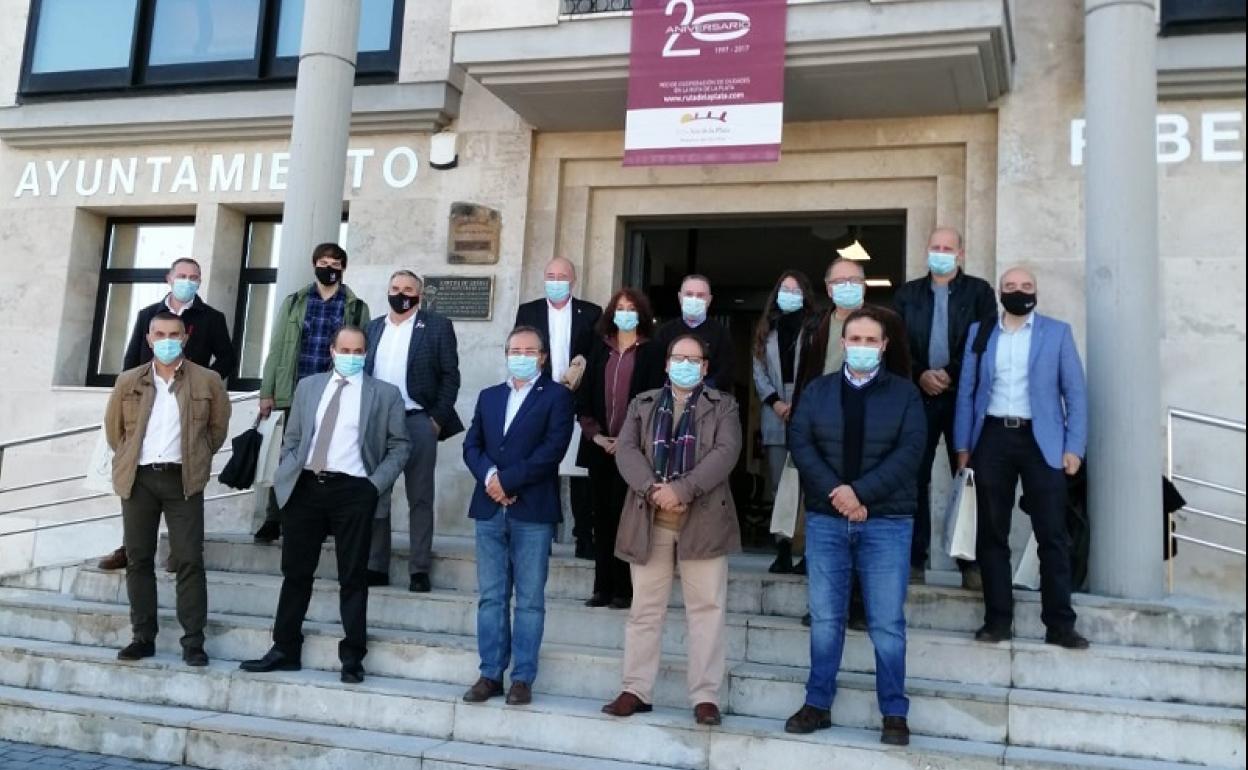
(877, 283)
(854, 251)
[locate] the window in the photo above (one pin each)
(257, 300)
(75, 46)
(1197, 17)
(137, 255)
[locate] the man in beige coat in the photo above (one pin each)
(676, 450)
(165, 420)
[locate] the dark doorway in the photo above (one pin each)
(743, 257)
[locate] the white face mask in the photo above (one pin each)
(693, 307)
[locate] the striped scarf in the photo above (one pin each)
(674, 449)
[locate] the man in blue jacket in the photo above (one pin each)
(856, 438)
(1022, 412)
(520, 431)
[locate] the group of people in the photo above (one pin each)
(855, 398)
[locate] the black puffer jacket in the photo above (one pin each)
(971, 299)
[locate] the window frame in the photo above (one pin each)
(264, 70)
(248, 277)
(110, 276)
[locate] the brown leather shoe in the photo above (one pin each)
(896, 732)
(520, 694)
(483, 690)
(808, 719)
(625, 705)
(115, 560)
(707, 714)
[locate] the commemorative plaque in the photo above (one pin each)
(473, 236)
(461, 297)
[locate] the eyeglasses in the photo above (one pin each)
(686, 359)
(848, 282)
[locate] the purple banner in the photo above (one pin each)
(706, 82)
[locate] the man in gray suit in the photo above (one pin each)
(346, 441)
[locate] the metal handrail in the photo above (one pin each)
(585, 7)
(105, 517)
(1212, 421)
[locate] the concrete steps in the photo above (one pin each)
(1175, 624)
(941, 709)
(387, 723)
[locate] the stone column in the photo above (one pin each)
(318, 140)
(1123, 301)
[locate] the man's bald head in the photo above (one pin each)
(561, 269)
(1018, 279)
(946, 239)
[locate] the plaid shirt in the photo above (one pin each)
(322, 319)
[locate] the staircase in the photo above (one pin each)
(1162, 686)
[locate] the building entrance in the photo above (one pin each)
(743, 257)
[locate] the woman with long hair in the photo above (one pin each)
(619, 366)
(781, 342)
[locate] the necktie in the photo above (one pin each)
(325, 431)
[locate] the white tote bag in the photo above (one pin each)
(788, 501)
(100, 468)
(961, 525)
(270, 449)
(1028, 573)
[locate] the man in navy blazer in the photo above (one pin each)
(520, 431)
(1022, 412)
(414, 349)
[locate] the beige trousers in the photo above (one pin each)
(704, 584)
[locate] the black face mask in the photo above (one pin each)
(401, 303)
(328, 276)
(1018, 302)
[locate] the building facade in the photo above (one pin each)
(119, 150)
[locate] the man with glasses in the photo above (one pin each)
(302, 330)
(207, 342)
(519, 433)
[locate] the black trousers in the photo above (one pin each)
(611, 575)
(581, 499)
(939, 410)
(336, 505)
(1003, 456)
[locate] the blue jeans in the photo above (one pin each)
(511, 554)
(878, 550)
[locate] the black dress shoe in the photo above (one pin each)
(597, 600)
(376, 578)
(273, 660)
(783, 563)
(585, 550)
(194, 656)
(808, 719)
(806, 620)
(621, 602)
(895, 732)
(269, 532)
(992, 635)
(420, 583)
(137, 650)
(800, 568)
(352, 673)
(1069, 638)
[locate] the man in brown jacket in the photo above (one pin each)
(165, 421)
(676, 450)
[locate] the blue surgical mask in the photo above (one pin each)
(558, 291)
(348, 364)
(523, 368)
(684, 374)
(184, 289)
(862, 358)
(693, 308)
(789, 301)
(941, 262)
(167, 350)
(626, 320)
(849, 295)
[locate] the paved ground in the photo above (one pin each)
(23, 756)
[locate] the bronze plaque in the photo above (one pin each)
(465, 298)
(474, 234)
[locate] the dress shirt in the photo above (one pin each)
(515, 398)
(344, 446)
(860, 381)
(162, 441)
(186, 306)
(1010, 395)
(390, 363)
(560, 322)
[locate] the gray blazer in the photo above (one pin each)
(383, 433)
(767, 380)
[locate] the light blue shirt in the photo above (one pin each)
(1011, 396)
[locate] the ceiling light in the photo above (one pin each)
(854, 251)
(878, 283)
